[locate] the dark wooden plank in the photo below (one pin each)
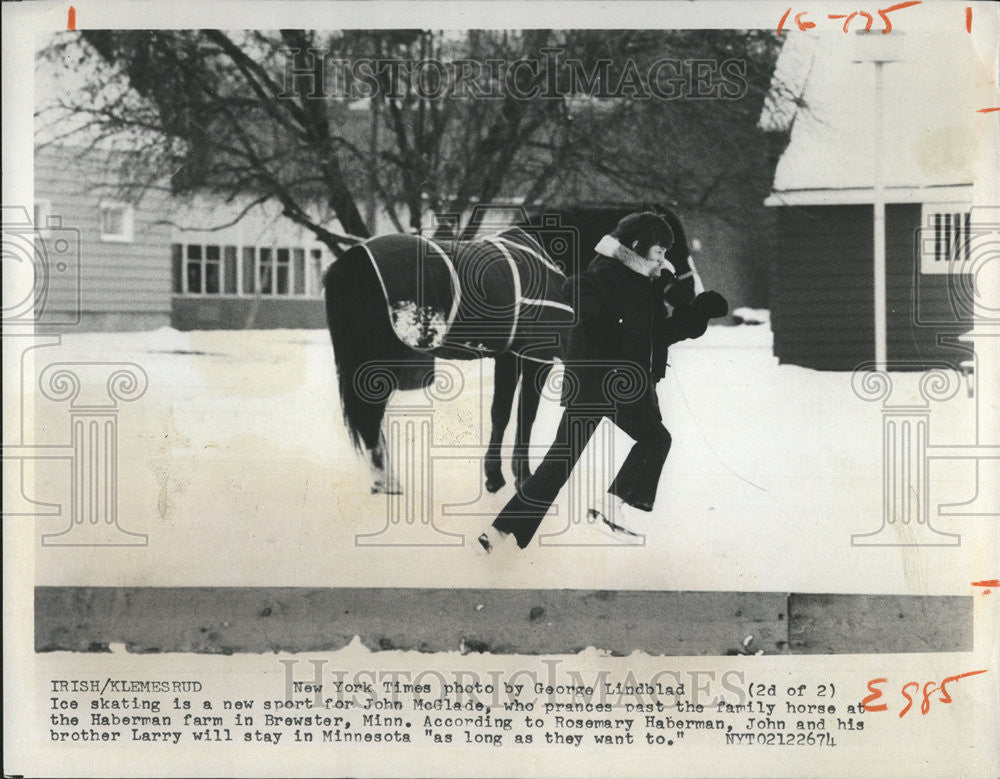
(221, 620)
(227, 620)
(863, 624)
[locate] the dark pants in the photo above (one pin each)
(635, 483)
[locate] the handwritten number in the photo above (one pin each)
(909, 700)
(875, 695)
(929, 689)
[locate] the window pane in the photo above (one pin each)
(113, 220)
(299, 271)
(212, 278)
(317, 270)
(177, 264)
(249, 287)
(194, 276)
(211, 252)
(194, 252)
(264, 272)
(282, 272)
(231, 270)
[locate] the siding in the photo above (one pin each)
(112, 277)
(821, 287)
(822, 291)
(920, 308)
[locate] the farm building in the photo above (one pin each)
(148, 260)
(828, 310)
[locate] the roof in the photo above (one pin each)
(933, 88)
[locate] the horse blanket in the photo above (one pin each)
(469, 299)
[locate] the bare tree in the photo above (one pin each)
(275, 116)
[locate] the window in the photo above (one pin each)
(116, 221)
(281, 272)
(212, 261)
(249, 263)
(230, 271)
(264, 272)
(299, 271)
(213, 269)
(194, 273)
(945, 234)
(316, 275)
(177, 262)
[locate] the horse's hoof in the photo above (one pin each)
(380, 489)
(494, 483)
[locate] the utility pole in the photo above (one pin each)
(879, 223)
(877, 49)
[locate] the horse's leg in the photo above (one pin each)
(382, 471)
(504, 384)
(533, 377)
(367, 355)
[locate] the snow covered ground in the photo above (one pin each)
(237, 465)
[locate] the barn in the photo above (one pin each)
(878, 128)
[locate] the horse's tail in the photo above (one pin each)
(359, 325)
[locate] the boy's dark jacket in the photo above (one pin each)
(618, 346)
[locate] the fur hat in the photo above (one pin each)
(643, 229)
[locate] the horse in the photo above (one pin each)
(395, 303)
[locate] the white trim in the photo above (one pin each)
(498, 242)
(551, 303)
(547, 262)
(378, 273)
(536, 359)
(456, 286)
(866, 195)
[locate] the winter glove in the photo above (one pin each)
(690, 320)
(711, 305)
(685, 322)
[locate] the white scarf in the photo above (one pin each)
(609, 246)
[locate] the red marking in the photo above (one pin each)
(928, 689)
(803, 25)
(988, 582)
(988, 111)
(847, 24)
(968, 19)
(909, 700)
(876, 694)
(884, 13)
(781, 24)
(71, 19)
(945, 697)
